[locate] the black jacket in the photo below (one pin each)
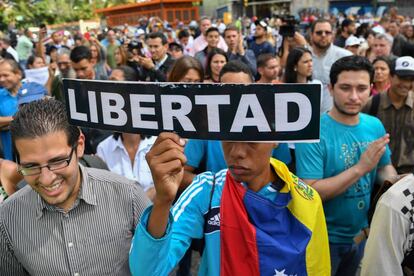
(159, 75)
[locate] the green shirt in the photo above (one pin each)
(110, 55)
(24, 47)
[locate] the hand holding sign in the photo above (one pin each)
(166, 160)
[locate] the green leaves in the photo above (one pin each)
(31, 13)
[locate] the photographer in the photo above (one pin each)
(135, 51)
(156, 67)
(290, 38)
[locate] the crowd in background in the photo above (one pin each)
(276, 50)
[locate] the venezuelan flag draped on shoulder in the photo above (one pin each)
(274, 231)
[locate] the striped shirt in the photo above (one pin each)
(93, 238)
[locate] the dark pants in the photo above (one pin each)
(345, 258)
(184, 266)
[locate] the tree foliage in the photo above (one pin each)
(26, 13)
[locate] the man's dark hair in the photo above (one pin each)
(129, 73)
(235, 66)
(40, 118)
(346, 22)
(396, 22)
(212, 29)
(351, 63)
(79, 53)
(263, 59)
(183, 33)
(159, 35)
(321, 20)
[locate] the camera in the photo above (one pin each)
(134, 45)
(136, 48)
(289, 26)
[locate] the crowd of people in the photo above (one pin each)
(84, 201)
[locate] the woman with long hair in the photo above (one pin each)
(121, 57)
(382, 76)
(216, 59)
(298, 69)
(186, 69)
(98, 58)
(299, 66)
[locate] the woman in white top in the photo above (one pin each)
(299, 68)
(124, 153)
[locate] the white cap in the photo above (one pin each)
(139, 32)
(378, 29)
(352, 41)
(404, 66)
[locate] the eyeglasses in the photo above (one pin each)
(52, 166)
(323, 32)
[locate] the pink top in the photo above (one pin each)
(200, 43)
(374, 90)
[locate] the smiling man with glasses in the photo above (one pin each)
(324, 54)
(69, 219)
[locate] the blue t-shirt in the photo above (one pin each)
(211, 151)
(8, 107)
(339, 149)
(263, 48)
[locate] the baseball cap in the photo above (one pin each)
(404, 66)
(352, 41)
(262, 23)
(30, 91)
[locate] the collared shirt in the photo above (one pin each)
(93, 238)
(114, 153)
(13, 52)
(161, 62)
(8, 107)
(321, 69)
(399, 123)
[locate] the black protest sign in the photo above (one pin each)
(237, 112)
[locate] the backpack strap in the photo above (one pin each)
(93, 161)
(373, 111)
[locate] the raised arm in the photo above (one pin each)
(166, 160)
